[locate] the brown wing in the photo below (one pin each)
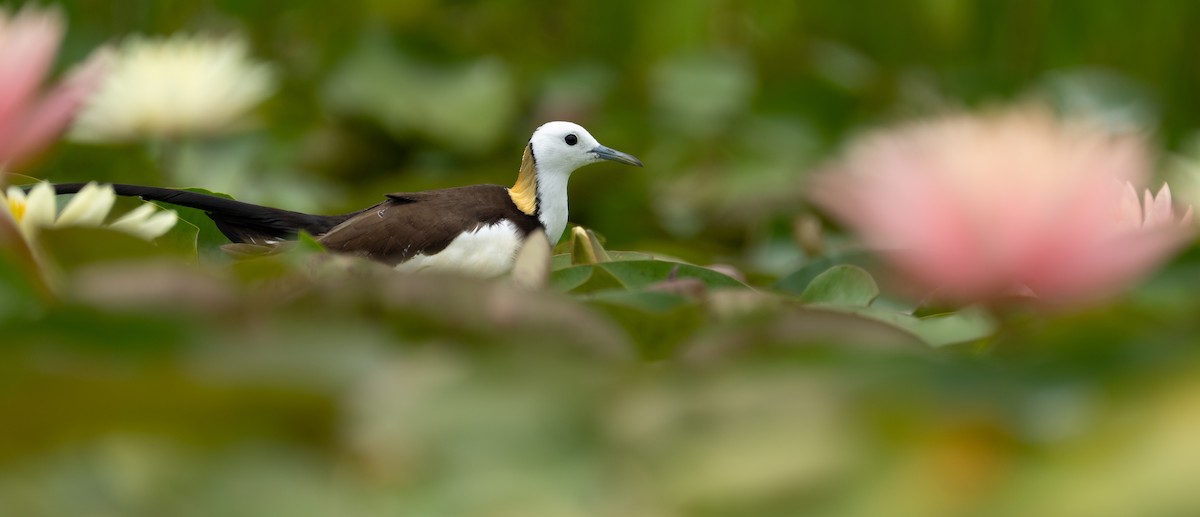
(424, 222)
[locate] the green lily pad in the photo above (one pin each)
(658, 322)
(619, 256)
(195, 224)
(635, 275)
(843, 285)
(584, 279)
(639, 274)
(960, 327)
(650, 301)
(560, 261)
(938, 330)
(798, 281)
(570, 278)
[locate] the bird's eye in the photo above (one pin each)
(571, 139)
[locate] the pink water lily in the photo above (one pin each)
(977, 208)
(31, 119)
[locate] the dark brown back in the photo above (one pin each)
(424, 222)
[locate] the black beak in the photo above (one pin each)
(605, 153)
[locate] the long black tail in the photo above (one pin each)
(240, 222)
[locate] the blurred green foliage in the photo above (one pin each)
(727, 102)
(161, 380)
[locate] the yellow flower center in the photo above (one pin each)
(16, 208)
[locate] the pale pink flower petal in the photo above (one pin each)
(29, 120)
(49, 117)
(28, 43)
(1158, 208)
(975, 208)
(1129, 215)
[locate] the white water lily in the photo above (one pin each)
(89, 208)
(176, 86)
(147, 221)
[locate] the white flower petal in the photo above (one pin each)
(146, 222)
(39, 209)
(6, 210)
(179, 85)
(14, 202)
(136, 216)
(159, 224)
(89, 207)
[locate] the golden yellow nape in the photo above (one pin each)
(524, 191)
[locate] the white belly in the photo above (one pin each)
(487, 252)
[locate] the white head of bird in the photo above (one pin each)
(555, 150)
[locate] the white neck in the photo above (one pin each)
(552, 202)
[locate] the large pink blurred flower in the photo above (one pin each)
(29, 118)
(974, 208)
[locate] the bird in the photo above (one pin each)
(476, 229)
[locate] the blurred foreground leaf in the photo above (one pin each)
(658, 322)
(531, 269)
(70, 248)
(22, 291)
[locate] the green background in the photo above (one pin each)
(155, 383)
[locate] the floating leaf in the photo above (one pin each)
(584, 279)
(658, 322)
(960, 327)
(182, 237)
(570, 278)
(208, 238)
(938, 330)
(798, 281)
(640, 274)
(658, 302)
(842, 285)
(689, 287)
(560, 261)
(617, 256)
(803, 327)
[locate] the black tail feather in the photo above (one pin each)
(240, 222)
